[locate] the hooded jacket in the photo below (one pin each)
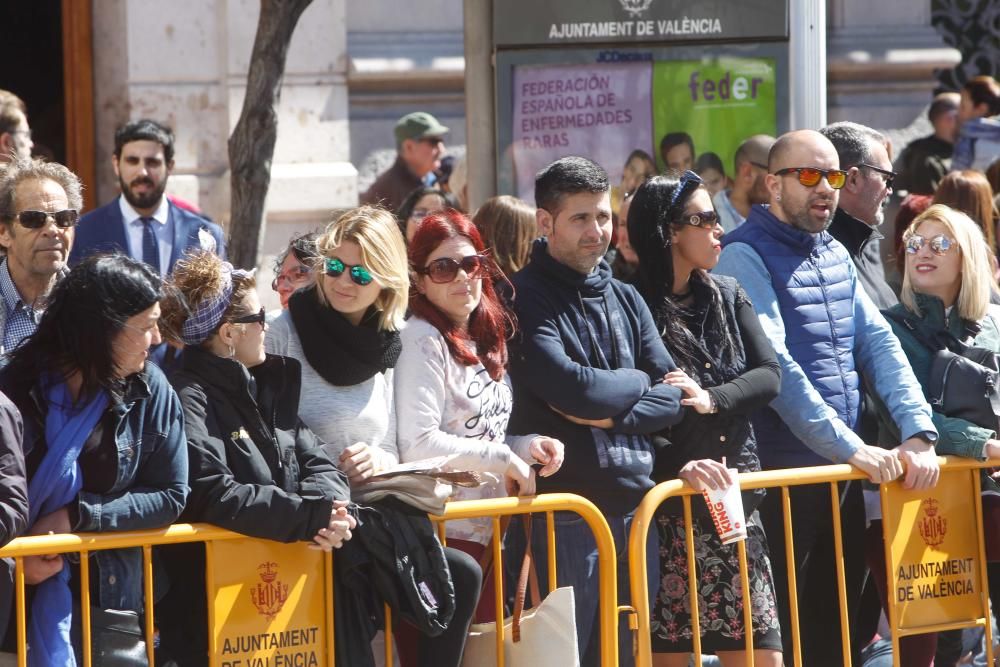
(587, 346)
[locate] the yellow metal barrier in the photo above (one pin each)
(85, 543)
(829, 474)
(549, 503)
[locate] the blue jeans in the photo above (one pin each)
(577, 566)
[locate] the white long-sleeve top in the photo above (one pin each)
(446, 408)
(340, 416)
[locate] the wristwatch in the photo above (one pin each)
(930, 437)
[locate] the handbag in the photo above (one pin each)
(544, 635)
(964, 380)
(116, 638)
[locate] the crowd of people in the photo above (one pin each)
(676, 325)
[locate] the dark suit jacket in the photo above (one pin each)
(103, 230)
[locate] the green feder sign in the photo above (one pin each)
(718, 101)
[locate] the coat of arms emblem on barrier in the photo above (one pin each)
(270, 594)
(932, 526)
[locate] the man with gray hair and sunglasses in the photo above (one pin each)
(827, 334)
(39, 207)
(860, 212)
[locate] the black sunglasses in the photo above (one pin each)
(359, 274)
(703, 219)
(258, 317)
(884, 173)
(445, 270)
(37, 219)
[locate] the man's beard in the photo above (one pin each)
(805, 221)
(144, 201)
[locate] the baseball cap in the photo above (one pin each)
(418, 125)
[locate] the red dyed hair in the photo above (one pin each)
(490, 324)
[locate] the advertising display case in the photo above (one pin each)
(609, 78)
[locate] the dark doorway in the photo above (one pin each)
(31, 33)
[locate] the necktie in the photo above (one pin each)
(150, 247)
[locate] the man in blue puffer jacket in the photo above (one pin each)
(827, 334)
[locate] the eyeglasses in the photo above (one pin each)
(703, 219)
(258, 317)
(445, 270)
(433, 141)
(298, 273)
(759, 165)
(940, 244)
(811, 176)
(36, 219)
(419, 214)
(886, 174)
(359, 274)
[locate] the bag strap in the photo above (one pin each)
(914, 330)
(528, 573)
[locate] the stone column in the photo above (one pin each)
(881, 58)
(185, 63)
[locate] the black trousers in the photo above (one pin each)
(815, 568)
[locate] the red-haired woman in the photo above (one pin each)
(453, 396)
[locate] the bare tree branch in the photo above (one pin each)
(251, 146)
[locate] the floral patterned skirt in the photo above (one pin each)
(720, 599)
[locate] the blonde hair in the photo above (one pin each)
(977, 270)
(383, 252)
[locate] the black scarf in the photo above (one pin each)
(343, 354)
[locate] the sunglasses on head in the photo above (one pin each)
(37, 219)
(703, 219)
(445, 270)
(359, 274)
(259, 317)
(886, 174)
(940, 244)
(811, 176)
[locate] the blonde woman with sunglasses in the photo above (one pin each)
(346, 333)
(945, 301)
